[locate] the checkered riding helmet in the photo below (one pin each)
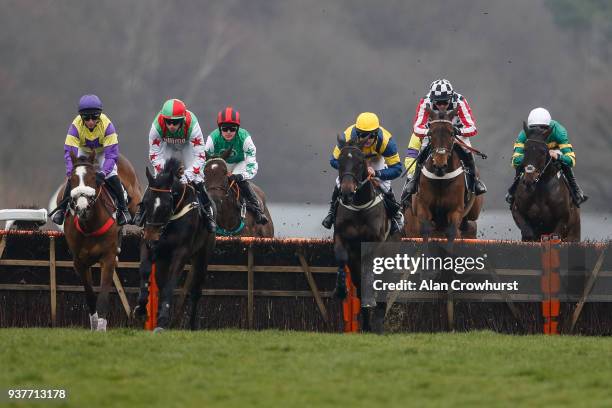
(441, 90)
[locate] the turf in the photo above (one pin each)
(232, 368)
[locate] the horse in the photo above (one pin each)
(442, 206)
(232, 217)
(92, 233)
(543, 203)
(360, 217)
(174, 233)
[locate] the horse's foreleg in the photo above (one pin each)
(199, 265)
(84, 272)
(166, 289)
(527, 232)
(341, 255)
(107, 267)
(452, 230)
(140, 311)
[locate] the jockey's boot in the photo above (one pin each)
(123, 215)
(411, 186)
(329, 220)
(512, 189)
(577, 194)
(60, 215)
(467, 158)
(252, 202)
(206, 210)
(394, 212)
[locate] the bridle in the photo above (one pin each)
(91, 200)
(442, 150)
(360, 183)
(530, 168)
(176, 207)
(228, 186)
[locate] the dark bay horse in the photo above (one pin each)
(361, 217)
(92, 233)
(442, 207)
(543, 203)
(174, 234)
(232, 217)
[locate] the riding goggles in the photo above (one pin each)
(90, 116)
(173, 122)
(229, 128)
(371, 134)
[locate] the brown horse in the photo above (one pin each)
(92, 233)
(442, 207)
(232, 217)
(361, 217)
(543, 204)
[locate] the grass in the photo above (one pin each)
(232, 368)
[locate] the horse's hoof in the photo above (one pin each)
(93, 321)
(101, 325)
(158, 330)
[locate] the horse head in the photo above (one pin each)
(442, 138)
(163, 197)
(352, 167)
(85, 188)
(536, 158)
(216, 173)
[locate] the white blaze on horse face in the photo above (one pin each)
(156, 204)
(350, 155)
(214, 166)
(82, 192)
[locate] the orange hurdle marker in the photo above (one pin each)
(153, 301)
(550, 284)
(351, 306)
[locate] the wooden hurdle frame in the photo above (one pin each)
(550, 305)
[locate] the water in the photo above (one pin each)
(303, 220)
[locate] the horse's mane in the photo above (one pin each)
(82, 160)
(172, 166)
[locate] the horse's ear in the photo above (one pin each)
(226, 153)
(525, 128)
(180, 172)
(340, 140)
(451, 114)
(92, 156)
(150, 177)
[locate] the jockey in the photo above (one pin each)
(176, 131)
(441, 96)
(93, 130)
(383, 163)
(561, 151)
(242, 163)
